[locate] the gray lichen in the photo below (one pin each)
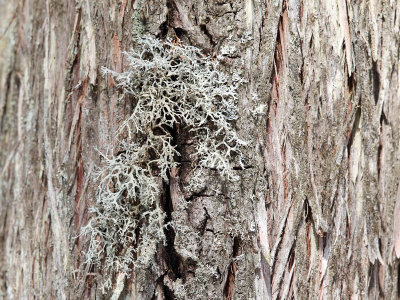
(173, 85)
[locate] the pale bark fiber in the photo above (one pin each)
(316, 214)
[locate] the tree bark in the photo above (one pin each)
(316, 212)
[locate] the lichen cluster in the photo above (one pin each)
(173, 86)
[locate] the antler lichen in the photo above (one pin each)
(173, 85)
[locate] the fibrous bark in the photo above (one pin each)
(316, 211)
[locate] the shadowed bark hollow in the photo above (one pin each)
(316, 212)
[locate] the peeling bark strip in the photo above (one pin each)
(314, 216)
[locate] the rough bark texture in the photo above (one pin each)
(316, 212)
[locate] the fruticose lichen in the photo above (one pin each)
(172, 85)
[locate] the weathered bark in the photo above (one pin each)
(316, 212)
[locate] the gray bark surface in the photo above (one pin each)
(316, 213)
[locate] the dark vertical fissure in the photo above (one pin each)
(171, 257)
(4, 108)
(376, 81)
(230, 280)
(356, 124)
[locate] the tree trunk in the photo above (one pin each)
(316, 212)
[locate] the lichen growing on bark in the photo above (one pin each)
(173, 85)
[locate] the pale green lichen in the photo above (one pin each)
(173, 85)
